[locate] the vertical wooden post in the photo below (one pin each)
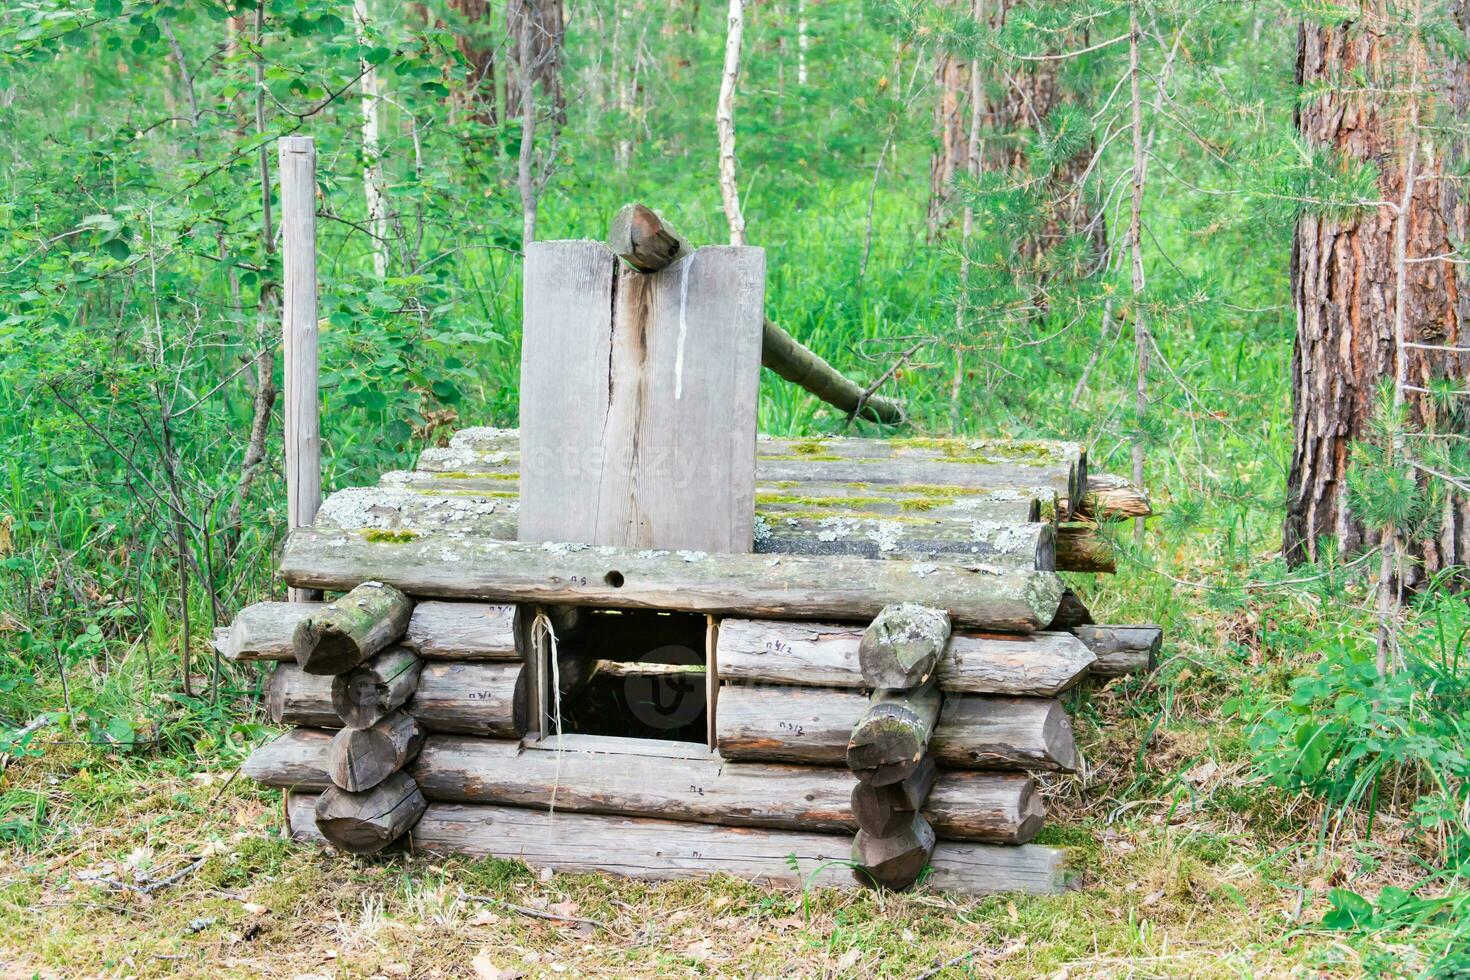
(299, 335)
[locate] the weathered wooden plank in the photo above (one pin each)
(462, 631)
(1121, 650)
(766, 723)
(299, 334)
(473, 698)
(640, 431)
(662, 850)
(703, 788)
(828, 655)
(294, 697)
(447, 566)
(348, 630)
(788, 529)
(367, 822)
(296, 759)
(263, 631)
(1004, 733)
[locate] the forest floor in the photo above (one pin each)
(122, 865)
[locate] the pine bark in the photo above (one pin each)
(541, 59)
(1345, 283)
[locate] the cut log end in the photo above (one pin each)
(345, 632)
(367, 822)
(359, 759)
(888, 742)
(893, 862)
(902, 646)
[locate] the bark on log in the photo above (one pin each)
(661, 850)
(361, 758)
(812, 726)
(647, 243)
(1113, 498)
(1083, 548)
(294, 697)
(445, 565)
(828, 655)
(902, 646)
(366, 694)
(889, 740)
(1071, 613)
(893, 862)
(884, 810)
(365, 823)
(460, 630)
(1121, 650)
(473, 698)
(1004, 733)
(784, 528)
(296, 760)
(263, 631)
(347, 631)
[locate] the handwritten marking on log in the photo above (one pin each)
(347, 631)
(903, 645)
(462, 631)
(828, 655)
(361, 758)
(446, 566)
(367, 822)
(294, 697)
(1122, 650)
(990, 732)
(366, 694)
(473, 698)
(297, 759)
(639, 430)
(263, 631)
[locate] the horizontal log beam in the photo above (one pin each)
(662, 850)
(995, 807)
(263, 631)
(1084, 548)
(812, 726)
(462, 631)
(472, 698)
(829, 655)
(294, 697)
(296, 760)
(446, 566)
(1121, 650)
(1113, 498)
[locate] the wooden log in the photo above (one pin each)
(361, 758)
(660, 850)
(460, 630)
(367, 822)
(574, 671)
(687, 782)
(296, 759)
(366, 694)
(902, 646)
(790, 528)
(888, 741)
(768, 723)
(448, 566)
(885, 810)
(923, 465)
(1084, 548)
(1071, 612)
(349, 630)
(828, 655)
(894, 862)
(1122, 650)
(472, 698)
(1113, 498)
(263, 631)
(294, 697)
(647, 243)
(1004, 733)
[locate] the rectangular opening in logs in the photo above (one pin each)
(624, 674)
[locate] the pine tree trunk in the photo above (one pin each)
(478, 95)
(950, 156)
(543, 61)
(1344, 282)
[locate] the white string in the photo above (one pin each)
(542, 630)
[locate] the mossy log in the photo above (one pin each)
(1004, 733)
(896, 861)
(829, 655)
(888, 741)
(1122, 650)
(661, 850)
(368, 692)
(345, 632)
(450, 566)
(367, 822)
(808, 725)
(902, 645)
(361, 758)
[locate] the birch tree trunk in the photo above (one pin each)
(372, 157)
(802, 42)
(1353, 296)
(725, 123)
